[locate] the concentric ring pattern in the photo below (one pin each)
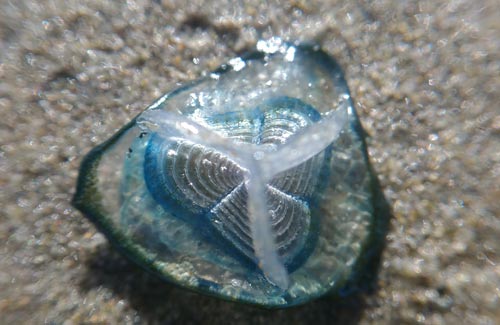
(207, 189)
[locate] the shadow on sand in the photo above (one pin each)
(159, 302)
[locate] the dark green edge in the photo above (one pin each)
(369, 260)
(86, 192)
(366, 268)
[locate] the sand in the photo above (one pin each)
(425, 78)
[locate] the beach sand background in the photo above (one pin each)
(425, 77)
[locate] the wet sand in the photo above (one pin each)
(424, 77)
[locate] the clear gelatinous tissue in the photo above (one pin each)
(251, 184)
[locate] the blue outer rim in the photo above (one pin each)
(87, 198)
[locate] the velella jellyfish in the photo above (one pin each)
(251, 184)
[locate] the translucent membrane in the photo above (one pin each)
(251, 184)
